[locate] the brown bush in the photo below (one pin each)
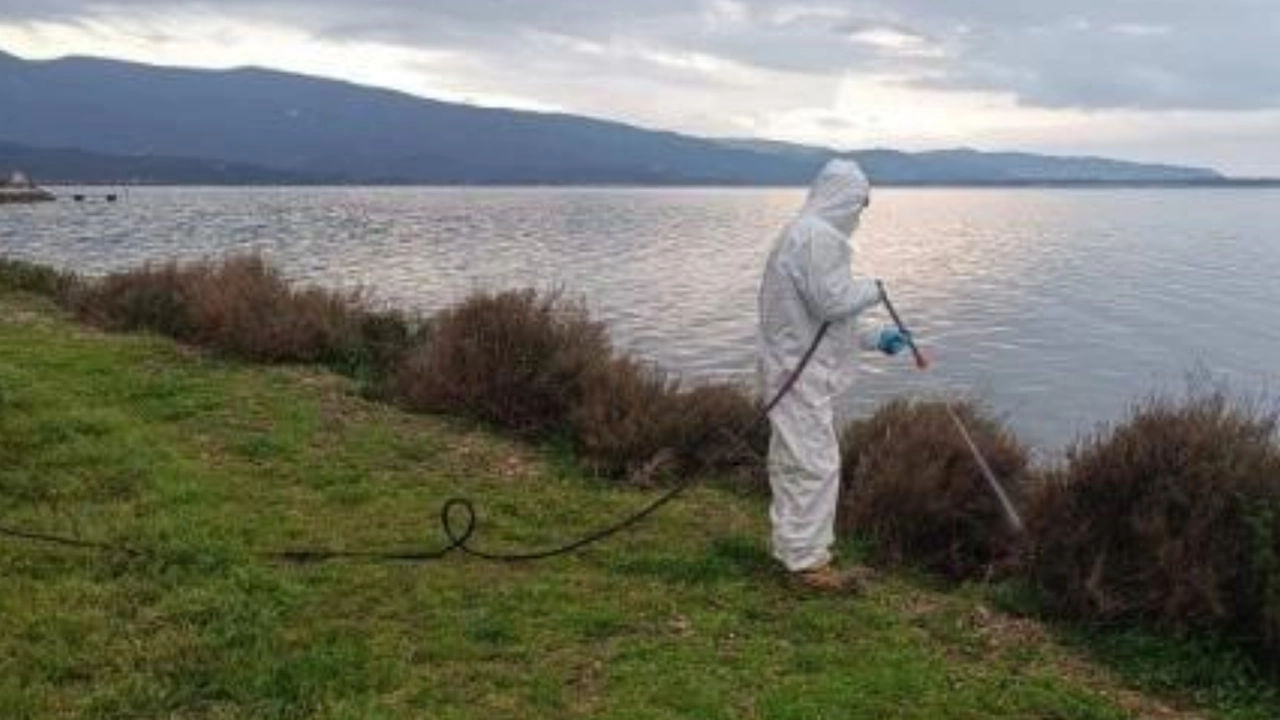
(913, 489)
(516, 359)
(239, 305)
(618, 421)
(539, 365)
(1172, 517)
(630, 413)
(153, 297)
(245, 307)
(718, 427)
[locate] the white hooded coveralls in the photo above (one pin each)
(809, 280)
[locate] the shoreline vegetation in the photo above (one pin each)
(1153, 549)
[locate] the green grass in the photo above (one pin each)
(135, 440)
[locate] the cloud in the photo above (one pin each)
(1140, 30)
(846, 72)
(1175, 54)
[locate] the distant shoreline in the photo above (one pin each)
(1231, 183)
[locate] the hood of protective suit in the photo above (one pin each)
(838, 195)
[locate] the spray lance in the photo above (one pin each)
(922, 363)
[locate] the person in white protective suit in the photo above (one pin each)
(809, 281)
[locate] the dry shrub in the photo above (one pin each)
(912, 487)
(537, 364)
(632, 416)
(516, 359)
(152, 297)
(239, 305)
(245, 307)
(718, 427)
(617, 424)
(1172, 517)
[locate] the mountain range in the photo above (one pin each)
(100, 120)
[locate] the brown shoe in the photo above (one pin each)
(828, 579)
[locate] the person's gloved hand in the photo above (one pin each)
(893, 341)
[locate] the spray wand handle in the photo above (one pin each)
(922, 362)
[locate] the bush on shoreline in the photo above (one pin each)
(239, 306)
(912, 488)
(634, 418)
(537, 365)
(1172, 518)
(515, 359)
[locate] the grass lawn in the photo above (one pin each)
(136, 440)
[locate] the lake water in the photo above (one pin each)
(1056, 306)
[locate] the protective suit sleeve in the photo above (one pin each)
(827, 284)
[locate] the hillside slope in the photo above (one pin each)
(362, 134)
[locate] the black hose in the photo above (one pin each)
(67, 541)
(459, 509)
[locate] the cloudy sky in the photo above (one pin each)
(1190, 81)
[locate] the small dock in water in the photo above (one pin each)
(18, 189)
